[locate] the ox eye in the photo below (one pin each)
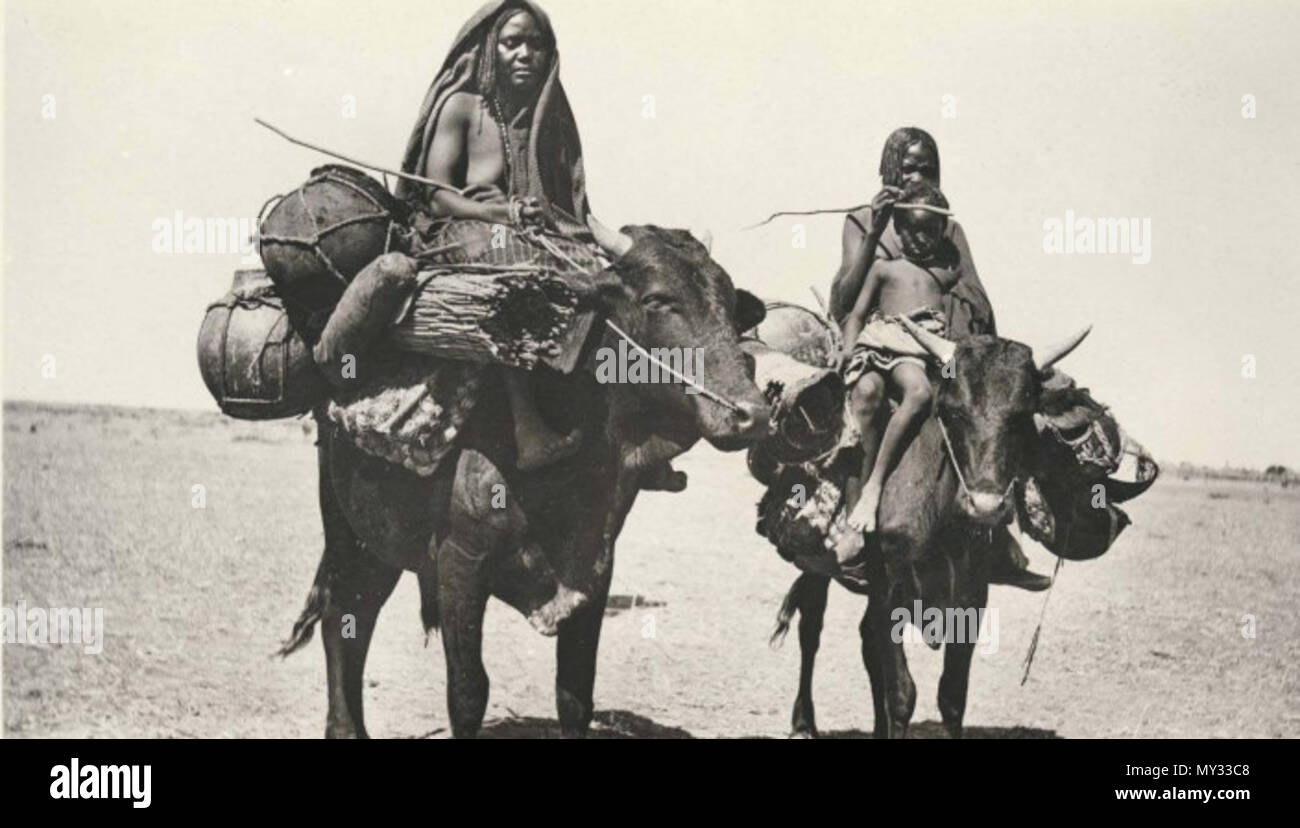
(657, 302)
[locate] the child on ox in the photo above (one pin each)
(880, 354)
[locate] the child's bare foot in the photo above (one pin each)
(537, 450)
(863, 517)
(848, 547)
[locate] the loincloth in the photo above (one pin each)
(884, 343)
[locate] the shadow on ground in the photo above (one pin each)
(621, 724)
(935, 730)
(607, 724)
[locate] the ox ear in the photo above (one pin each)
(750, 311)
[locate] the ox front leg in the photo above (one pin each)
(462, 601)
(953, 684)
(575, 667)
(810, 599)
(957, 653)
(575, 651)
(893, 693)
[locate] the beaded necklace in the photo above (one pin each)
(495, 106)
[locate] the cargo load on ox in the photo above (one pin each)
(377, 314)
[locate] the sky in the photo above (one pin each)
(706, 115)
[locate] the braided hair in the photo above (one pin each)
(896, 146)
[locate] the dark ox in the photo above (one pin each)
(936, 519)
(541, 541)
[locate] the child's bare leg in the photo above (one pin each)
(864, 404)
(911, 380)
(865, 398)
(537, 445)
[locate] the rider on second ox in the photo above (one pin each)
(910, 158)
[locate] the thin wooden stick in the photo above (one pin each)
(805, 213)
(820, 301)
(416, 178)
(911, 205)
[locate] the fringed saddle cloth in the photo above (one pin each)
(414, 412)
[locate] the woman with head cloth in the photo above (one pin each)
(910, 154)
(496, 124)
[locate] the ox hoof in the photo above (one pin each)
(802, 734)
(546, 618)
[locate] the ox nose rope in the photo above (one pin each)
(672, 372)
(639, 348)
(1042, 613)
(961, 478)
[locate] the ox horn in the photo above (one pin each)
(1055, 354)
(940, 348)
(705, 237)
(612, 242)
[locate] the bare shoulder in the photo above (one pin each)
(890, 269)
(461, 105)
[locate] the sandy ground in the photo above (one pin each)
(1145, 642)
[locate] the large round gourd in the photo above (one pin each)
(317, 238)
(253, 362)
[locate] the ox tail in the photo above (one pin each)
(338, 537)
(785, 615)
(428, 578)
(311, 613)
